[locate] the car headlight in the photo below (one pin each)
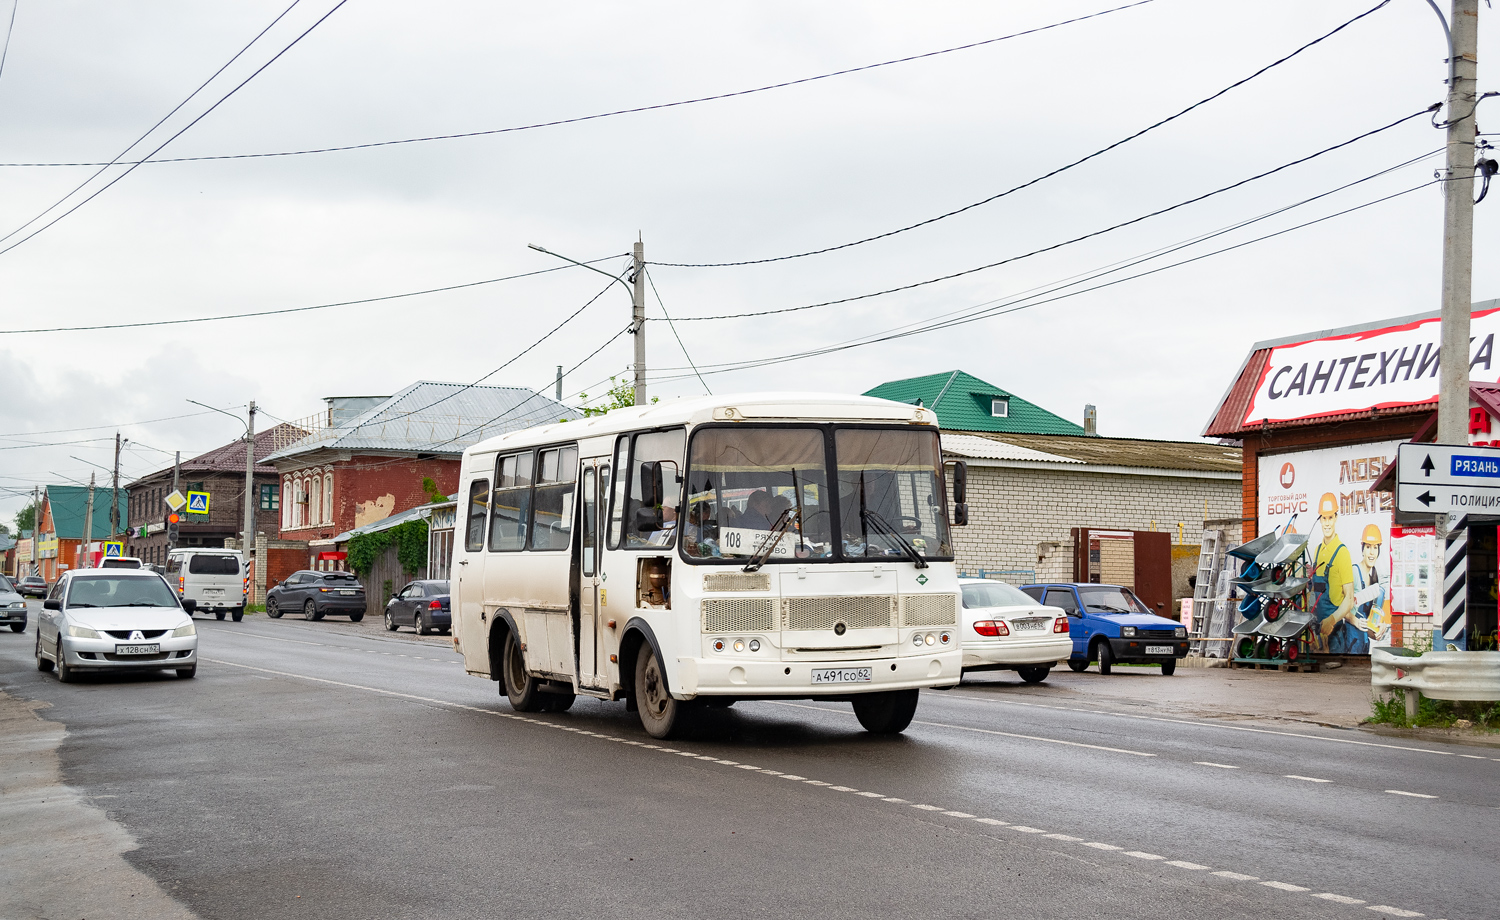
(1180, 632)
(1128, 632)
(83, 632)
(185, 629)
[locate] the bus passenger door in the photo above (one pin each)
(592, 484)
(468, 580)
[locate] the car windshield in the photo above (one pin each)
(1110, 599)
(890, 492)
(743, 482)
(213, 565)
(103, 591)
(996, 594)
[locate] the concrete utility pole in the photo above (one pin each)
(248, 545)
(176, 473)
(36, 529)
(88, 526)
(114, 508)
(1458, 225)
(559, 383)
(638, 321)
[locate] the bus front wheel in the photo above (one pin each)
(887, 713)
(661, 715)
(520, 688)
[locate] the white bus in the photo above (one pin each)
(693, 553)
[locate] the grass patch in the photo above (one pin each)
(1435, 713)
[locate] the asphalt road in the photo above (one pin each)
(325, 770)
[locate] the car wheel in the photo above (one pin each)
(42, 664)
(1106, 657)
(1034, 675)
(187, 673)
(390, 622)
(65, 674)
(18, 627)
(237, 614)
(1169, 667)
(356, 617)
(218, 614)
(520, 688)
(1078, 664)
(661, 714)
(886, 713)
(416, 624)
(273, 610)
(310, 611)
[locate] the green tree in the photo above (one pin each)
(26, 517)
(620, 395)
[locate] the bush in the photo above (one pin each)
(410, 540)
(1435, 713)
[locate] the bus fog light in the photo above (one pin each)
(916, 639)
(931, 639)
(754, 645)
(739, 645)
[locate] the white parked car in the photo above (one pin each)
(115, 619)
(1004, 630)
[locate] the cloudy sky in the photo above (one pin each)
(756, 176)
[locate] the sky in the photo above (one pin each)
(754, 176)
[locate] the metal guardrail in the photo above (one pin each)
(1464, 676)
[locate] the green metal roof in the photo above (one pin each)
(963, 403)
(68, 504)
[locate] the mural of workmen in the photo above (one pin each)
(1333, 586)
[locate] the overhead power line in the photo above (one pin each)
(630, 111)
(1055, 246)
(133, 166)
(10, 28)
(321, 306)
(673, 326)
(1042, 178)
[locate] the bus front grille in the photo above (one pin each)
(739, 614)
(861, 612)
(929, 610)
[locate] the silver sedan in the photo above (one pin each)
(115, 619)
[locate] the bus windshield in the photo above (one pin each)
(890, 492)
(753, 489)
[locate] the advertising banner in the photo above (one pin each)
(1326, 493)
(1376, 369)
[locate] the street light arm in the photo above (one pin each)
(222, 412)
(618, 278)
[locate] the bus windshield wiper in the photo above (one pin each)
(769, 545)
(884, 526)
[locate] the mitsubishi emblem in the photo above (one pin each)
(136, 636)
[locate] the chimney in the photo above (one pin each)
(1090, 421)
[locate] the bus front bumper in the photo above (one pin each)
(751, 678)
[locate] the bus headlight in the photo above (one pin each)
(739, 645)
(931, 639)
(754, 645)
(916, 639)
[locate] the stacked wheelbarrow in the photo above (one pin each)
(1278, 628)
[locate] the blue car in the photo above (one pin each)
(1110, 625)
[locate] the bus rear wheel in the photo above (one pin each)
(887, 713)
(520, 688)
(661, 715)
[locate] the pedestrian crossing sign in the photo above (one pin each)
(114, 550)
(197, 503)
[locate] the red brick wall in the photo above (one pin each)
(1313, 436)
(365, 479)
(282, 562)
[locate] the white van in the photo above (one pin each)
(215, 578)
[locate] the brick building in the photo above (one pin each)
(219, 472)
(60, 531)
(364, 458)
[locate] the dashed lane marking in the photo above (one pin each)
(957, 815)
(1209, 763)
(1415, 795)
(1306, 779)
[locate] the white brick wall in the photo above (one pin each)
(1012, 510)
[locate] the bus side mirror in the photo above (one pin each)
(652, 485)
(960, 493)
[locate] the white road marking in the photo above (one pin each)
(1306, 779)
(871, 795)
(1338, 898)
(1107, 847)
(1415, 795)
(1221, 766)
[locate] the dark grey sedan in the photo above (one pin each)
(12, 606)
(422, 605)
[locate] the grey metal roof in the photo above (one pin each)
(431, 417)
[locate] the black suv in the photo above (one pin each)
(318, 594)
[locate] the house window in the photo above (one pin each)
(328, 497)
(270, 497)
(315, 501)
(999, 407)
(286, 510)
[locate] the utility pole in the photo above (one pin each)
(559, 383)
(176, 473)
(638, 321)
(88, 526)
(1458, 224)
(36, 529)
(114, 508)
(247, 546)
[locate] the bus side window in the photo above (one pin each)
(510, 508)
(617, 506)
(588, 536)
(655, 488)
(552, 503)
(479, 512)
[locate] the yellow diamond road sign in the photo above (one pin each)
(175, 501)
